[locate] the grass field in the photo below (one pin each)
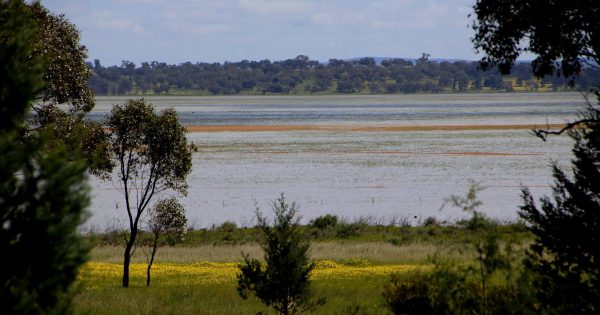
(210, 288)
(198, 276)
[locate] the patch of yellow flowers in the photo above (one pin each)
(94, 273)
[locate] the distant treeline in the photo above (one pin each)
(302, 75)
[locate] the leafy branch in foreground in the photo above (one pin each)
(43, 191)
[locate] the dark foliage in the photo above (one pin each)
(324, 221)
(567, 228)
(304, 75)
(409, 296)
(56, 41)
(282, 280)
(43, 194)
(564, 34)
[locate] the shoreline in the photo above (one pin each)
(364, 128)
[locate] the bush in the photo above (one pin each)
(324, 222)
(490, 286)
(431, 221)
(409, 296)
(347, 230)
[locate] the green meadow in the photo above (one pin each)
(198, 276)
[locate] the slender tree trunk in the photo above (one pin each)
(127, 258)
(154, 249)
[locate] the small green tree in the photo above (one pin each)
(486, 243)
(282, 281)
(566, 252)
(167, 217)
(43, 192)
(152, 156)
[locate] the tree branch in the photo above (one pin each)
(544, 133)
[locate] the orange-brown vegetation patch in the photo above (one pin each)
(448, 153)
(254, 128)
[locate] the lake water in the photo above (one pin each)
(373, 173)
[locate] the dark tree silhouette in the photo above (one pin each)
(56, 41)
(43, 192)
(564, 34)
(567, 228)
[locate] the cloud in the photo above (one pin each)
(430, 16)
(213, 30)
(338, 18)
(105, 20)
(277, 7)
(207, 29)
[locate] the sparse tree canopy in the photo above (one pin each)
(564, 34)
(152, 156)
(282, 280)
(166, 217)
(43, 193)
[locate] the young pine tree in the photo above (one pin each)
(282, 280)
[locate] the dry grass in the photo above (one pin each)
(377, 252)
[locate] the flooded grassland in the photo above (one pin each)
(380, 157)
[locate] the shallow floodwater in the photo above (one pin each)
(381, 175)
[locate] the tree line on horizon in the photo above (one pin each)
(301, 75)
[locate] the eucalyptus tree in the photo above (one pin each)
(152, 156)
(167, 217)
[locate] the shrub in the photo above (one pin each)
(408, 296)
(431, 221)
(347, 230)
(324, 222)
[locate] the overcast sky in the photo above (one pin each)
(176, 31)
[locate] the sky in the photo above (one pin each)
(177, 31)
